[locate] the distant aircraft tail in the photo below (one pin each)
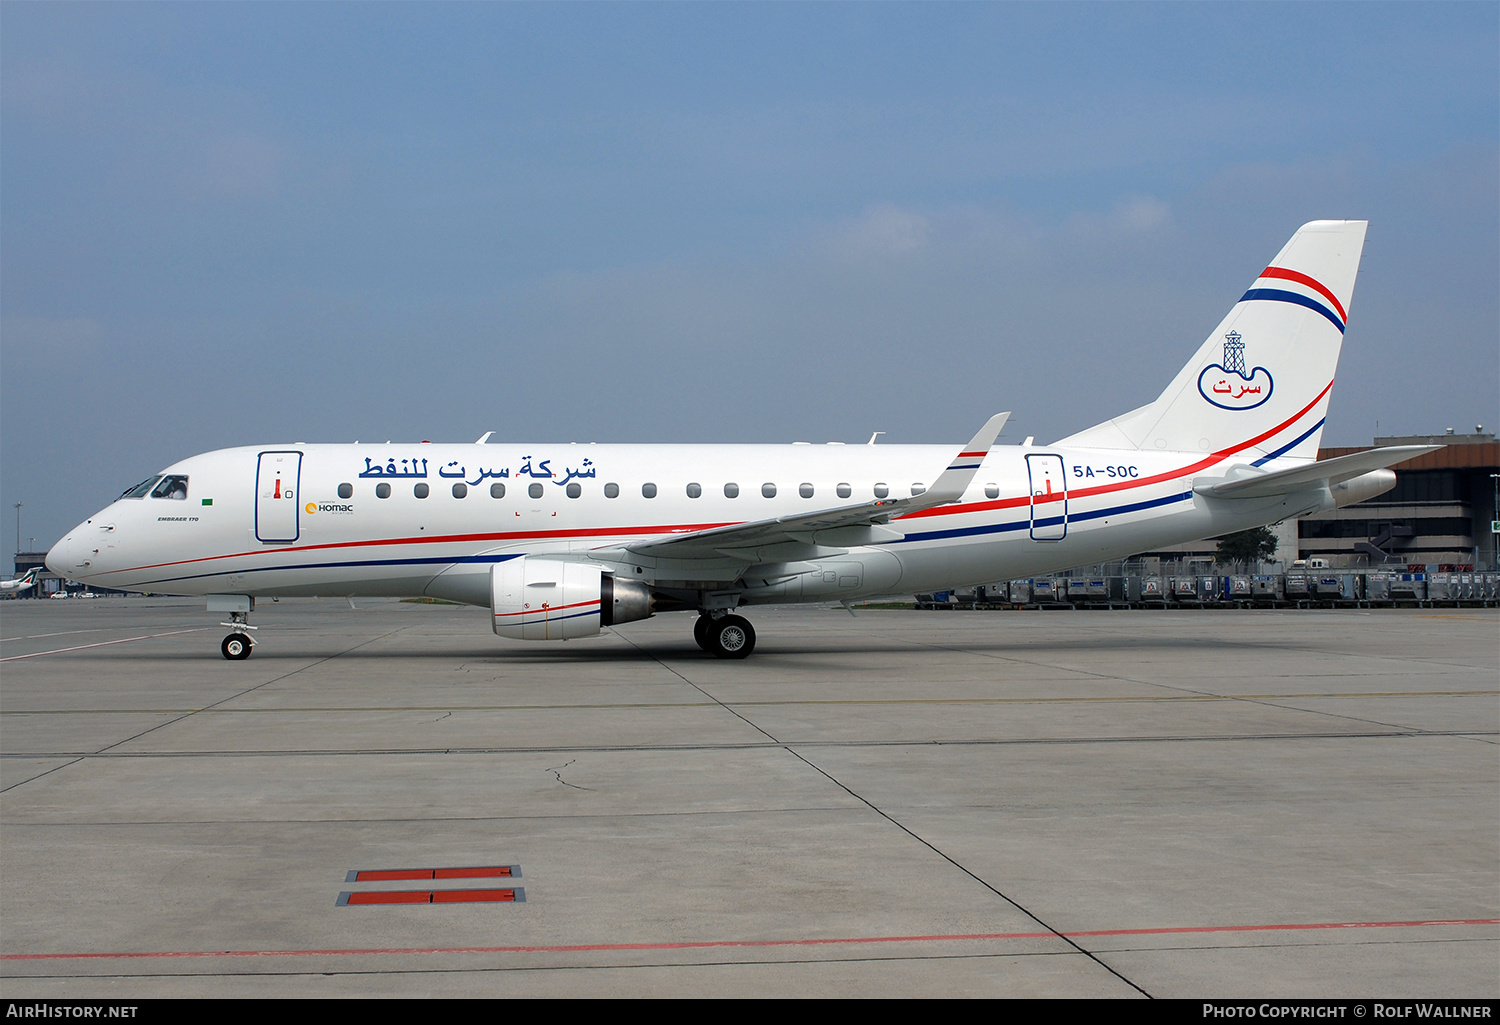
(1260, 384)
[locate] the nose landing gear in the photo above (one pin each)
(236, 647)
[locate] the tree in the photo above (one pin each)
(1256, 545)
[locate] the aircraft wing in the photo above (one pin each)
(839, 527)
(1244, 483)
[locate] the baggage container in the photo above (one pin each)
(1267, 587)
(1409, 587)
(1326, 586)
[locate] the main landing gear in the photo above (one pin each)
(724, 637)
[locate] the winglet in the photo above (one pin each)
(951, 484)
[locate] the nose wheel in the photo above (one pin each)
(725, 637)
(236, 647)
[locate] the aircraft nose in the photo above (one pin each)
(71, 557)
(60, 558)
(54, 557)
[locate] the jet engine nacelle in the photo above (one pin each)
(550, 600)
(1366, 485)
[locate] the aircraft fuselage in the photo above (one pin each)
(310, 520)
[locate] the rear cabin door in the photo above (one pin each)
(1049, 497)
(278, 479)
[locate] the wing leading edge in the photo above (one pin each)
(839, 527)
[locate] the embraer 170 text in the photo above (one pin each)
(560, 541)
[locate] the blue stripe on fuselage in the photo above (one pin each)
(450, 560)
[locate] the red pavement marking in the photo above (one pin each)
(431, 897)
(392, 897)
(378, 875)
(710, 944)
(481, 872)
(471, 896)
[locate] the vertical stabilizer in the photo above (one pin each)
(1266, 372)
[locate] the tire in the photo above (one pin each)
(731, 637)
(700, 633)
(236, 647)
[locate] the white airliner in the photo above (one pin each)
(560, 541)
(21, 582)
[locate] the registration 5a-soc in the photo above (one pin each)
(1118, 472)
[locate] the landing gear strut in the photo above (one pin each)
(236, 647)
(725, 637)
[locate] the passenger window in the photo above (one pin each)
(768, 490)
(992, 491)
(346, 490)
(805, 490)
(420, 490)
(497, 490)
(574, 489)
(460, 490)
(142, 489)
(695, 491)
(382, 491)
(611, 490)
(731, 491)
(171, 487)
(881, 491)
(917, 489)
(844, 490)
(648, 490)
(535, 491)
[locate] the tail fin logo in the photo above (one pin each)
(1226, 384)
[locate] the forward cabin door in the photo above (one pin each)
(1049, 497)
(278, 480)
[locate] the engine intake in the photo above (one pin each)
(550, 600)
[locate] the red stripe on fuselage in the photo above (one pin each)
(1008, 503)
(516, 535)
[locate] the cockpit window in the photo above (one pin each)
(141, 489)
(171, 486)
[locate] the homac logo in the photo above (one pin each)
(327, 507)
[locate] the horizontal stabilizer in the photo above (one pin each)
(1326, 473)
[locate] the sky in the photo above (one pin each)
(234, 224)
